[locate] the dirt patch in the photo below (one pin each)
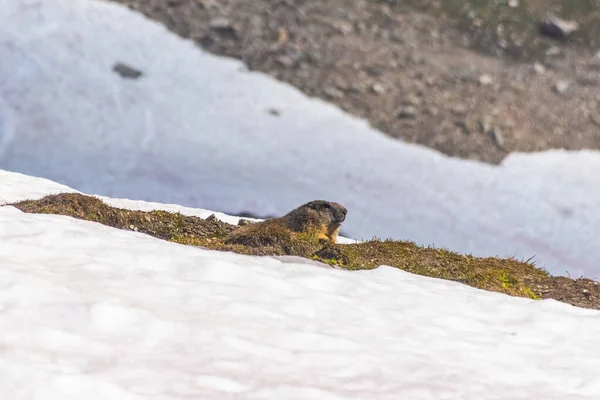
(517, 29)
(504, 275)
(411, 68)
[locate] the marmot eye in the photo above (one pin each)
(327, 205)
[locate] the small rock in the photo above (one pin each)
(378, 88)
(485, 80)
(498, 137)
(513, 3)
(539, 68)
(557, 28)
(285, 61)
(412, 100)
(243, 222)
(211, 218)
(485, 125)
(223, 27)
(343, 27)
(333, 93)
(561, 86)
(408, 112)
(125, 71)
(275, 112)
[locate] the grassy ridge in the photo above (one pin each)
(503, 275)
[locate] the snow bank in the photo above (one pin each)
(195, 130)
(92, 312)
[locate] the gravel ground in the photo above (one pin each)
(457, 82)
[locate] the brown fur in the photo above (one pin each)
(320, 218)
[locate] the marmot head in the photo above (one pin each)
(335, 213)
(318, 213)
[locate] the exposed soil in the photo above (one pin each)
(459, 76)
(504, 275)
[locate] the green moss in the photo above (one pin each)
(500, 275)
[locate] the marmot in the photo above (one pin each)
(319, 218)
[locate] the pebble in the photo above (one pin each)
(285, 61)
(485, 80)
(223, 27)
(485, 125)
(333, 93)
(539, 68)
(125, 71)
(561, 86)
(408, 112)
(412, 100)
(498, 137)
(378, 88)
(557, 28)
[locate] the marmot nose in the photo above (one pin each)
(341, 213)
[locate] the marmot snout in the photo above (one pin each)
(319, 217)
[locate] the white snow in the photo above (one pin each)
(91, 312)
(195, 131)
